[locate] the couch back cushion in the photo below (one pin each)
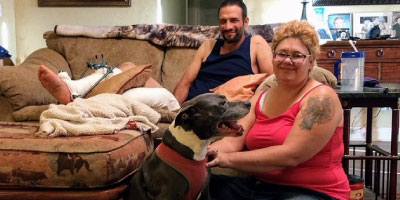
(79, 50)
(21, 84)
(174, 66)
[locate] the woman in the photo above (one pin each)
(293, 134)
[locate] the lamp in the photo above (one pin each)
(304, 13)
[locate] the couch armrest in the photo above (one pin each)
(20, 83)
(5, 109)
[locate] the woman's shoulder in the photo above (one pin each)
(321, 91)
(319, 88)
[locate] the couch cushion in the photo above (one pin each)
(29, 113)
(68, 162)
(21, 85)
(79, 50)
(174, 66)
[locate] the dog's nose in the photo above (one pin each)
(248, 104)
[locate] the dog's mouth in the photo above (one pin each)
(231, 128)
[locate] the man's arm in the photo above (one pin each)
(263, 55)
(182, 88)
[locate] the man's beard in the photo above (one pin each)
(236, 38)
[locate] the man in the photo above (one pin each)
(216, 62)
(339, 22)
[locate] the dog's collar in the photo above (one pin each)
(191, 140)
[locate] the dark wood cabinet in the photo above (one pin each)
(382, 60)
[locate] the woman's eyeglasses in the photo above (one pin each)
(296, 58)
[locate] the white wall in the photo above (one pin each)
(7, 27)
(32, 21)
(273, 11)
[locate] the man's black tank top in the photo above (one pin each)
(220, 68)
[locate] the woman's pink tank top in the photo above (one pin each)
(323, 172)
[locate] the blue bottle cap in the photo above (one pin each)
(353, 54)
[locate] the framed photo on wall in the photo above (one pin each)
(396, 24)
(320, 25)
(49, 3)
(340, 25)
(365, 25)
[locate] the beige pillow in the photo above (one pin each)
(241, 88)
(118, 84)
(29, 113)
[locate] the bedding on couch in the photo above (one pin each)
(98, 115)
(166, 35)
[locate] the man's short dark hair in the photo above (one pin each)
(237, 3)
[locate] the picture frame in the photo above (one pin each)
(321, 26)
(353, 2)
(365, 24)
(340, 25)
(82, 3)
(395, 24)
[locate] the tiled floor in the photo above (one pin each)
(381, 134)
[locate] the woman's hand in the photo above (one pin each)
(216, 159)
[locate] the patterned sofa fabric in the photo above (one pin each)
(68, 162)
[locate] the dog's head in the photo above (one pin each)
(211, 115)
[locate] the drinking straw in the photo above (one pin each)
(354, 46)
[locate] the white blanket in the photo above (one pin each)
(101, 114)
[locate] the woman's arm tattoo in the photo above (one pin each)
(318, 111)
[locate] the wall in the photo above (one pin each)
(7, 27)
(174, 11)
(32, 21)
(203, 12)
(273, 11)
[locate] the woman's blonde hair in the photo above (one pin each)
(301, 30)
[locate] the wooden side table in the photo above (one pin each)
(389, 98)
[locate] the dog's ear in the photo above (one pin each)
(184, 115)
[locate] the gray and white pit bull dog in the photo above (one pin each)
(176, 169)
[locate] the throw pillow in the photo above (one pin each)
(118, 84)
(241, 88)
(154, 97)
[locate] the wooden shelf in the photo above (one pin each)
(382, 60)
